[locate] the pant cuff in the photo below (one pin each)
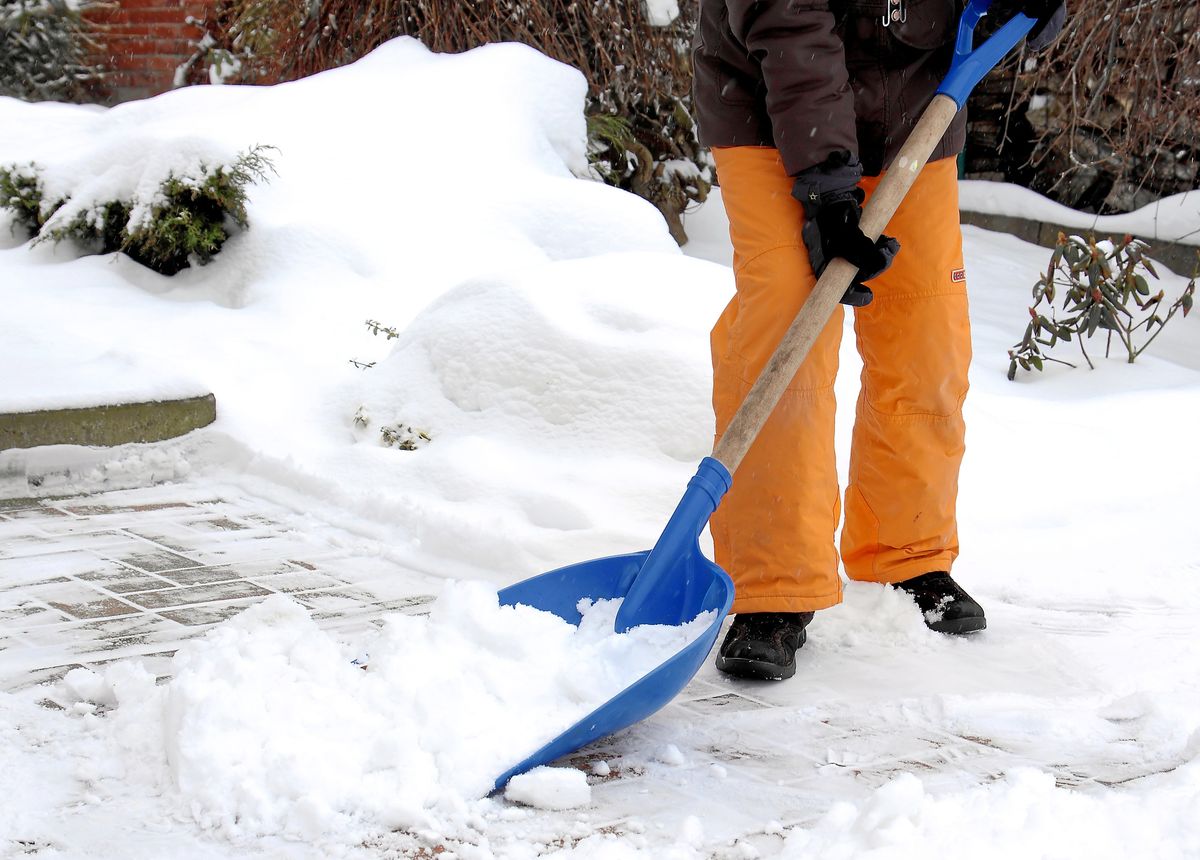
(905, 572)
(786, 602)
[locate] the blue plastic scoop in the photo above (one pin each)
(687, 585)
(674, 582)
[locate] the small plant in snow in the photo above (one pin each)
(1103, 289)
(377, 328)
(397, 435)
(403, 436)
(188, 219)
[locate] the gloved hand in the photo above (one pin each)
(832, 204)
(1050, 16)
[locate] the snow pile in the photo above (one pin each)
(574, 355)
(882, 618)
(552, 335)
(573, 373)
(1023, 815)
(81, 374)
(550, 788)
(269, 727)
(389, 192)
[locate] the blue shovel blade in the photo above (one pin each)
(671, 584)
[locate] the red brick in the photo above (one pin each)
(138, 5)
(112, 16)
(137, 46)
(167, 64)
(145, 41)
(166, 16)
(160, 31)
(153, 63)
(104, 15)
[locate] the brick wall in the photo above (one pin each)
(144, 42)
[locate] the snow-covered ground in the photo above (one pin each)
(553, 348)
(1171, 219)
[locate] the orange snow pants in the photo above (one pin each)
(774, 532)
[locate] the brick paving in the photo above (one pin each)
(87, 580)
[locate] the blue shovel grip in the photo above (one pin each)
(970, 66)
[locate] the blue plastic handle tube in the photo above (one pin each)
(971, 65)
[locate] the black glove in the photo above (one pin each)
(832, 204)
(1049, 14)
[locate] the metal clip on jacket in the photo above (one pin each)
(894, 13)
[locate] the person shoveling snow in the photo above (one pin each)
(798, 102)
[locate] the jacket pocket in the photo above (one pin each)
(733, 90)
(925, 24)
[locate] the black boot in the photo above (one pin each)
(946, 607)
(763, 644)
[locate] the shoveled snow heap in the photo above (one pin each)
(270, 727)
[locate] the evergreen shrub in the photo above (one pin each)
(195, 216)
(46, 50)
(189, 219)
(21, 193)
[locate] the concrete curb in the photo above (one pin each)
(1179, 258)
(107, 425)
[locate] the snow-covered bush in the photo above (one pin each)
(21, 193)
(194, 215)
(100, 229)
(635, 56)
(46, 48)
(187, 218)
(1104, 289)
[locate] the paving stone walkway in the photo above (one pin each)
(84, 581)
(88, 580)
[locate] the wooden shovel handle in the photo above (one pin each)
(815, 313)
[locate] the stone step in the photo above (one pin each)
(108, 425)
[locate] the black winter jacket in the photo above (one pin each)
(814, 76)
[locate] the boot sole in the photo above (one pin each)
(759, 670)
(959, 626)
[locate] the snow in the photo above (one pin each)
(1171, 219)
(661, 13)
(550, 788)
(1023, 814)
(268, 728)
(553, 347)
(90, 372)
